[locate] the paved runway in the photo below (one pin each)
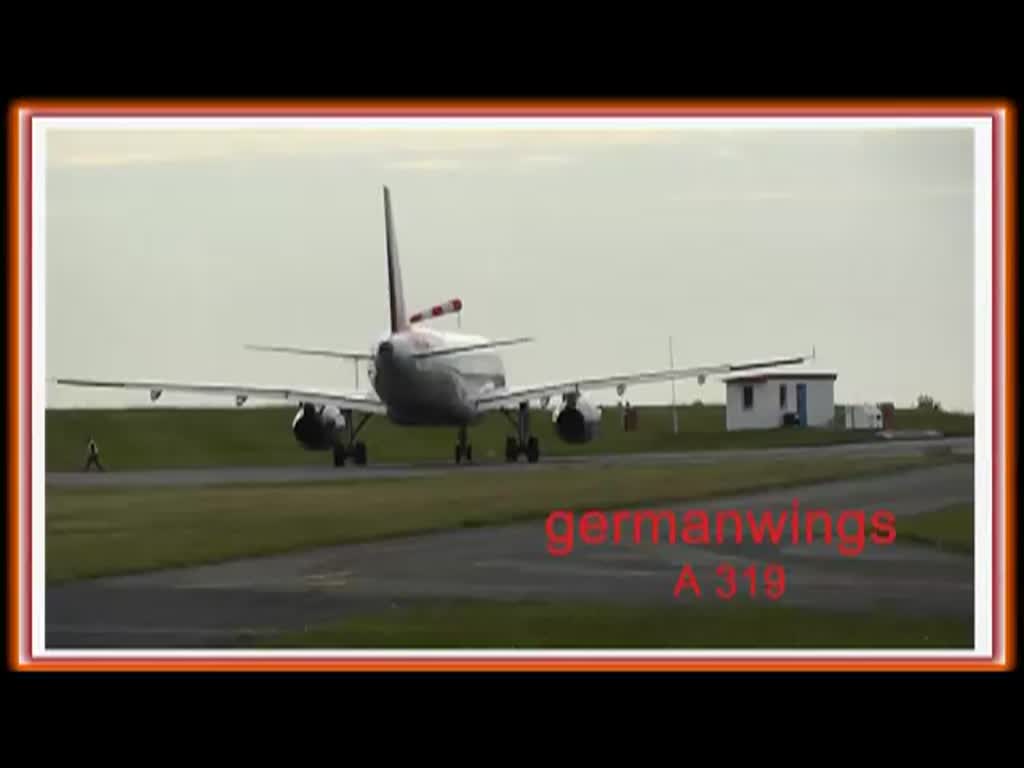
(309, 474)
(221, 605)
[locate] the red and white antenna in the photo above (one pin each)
(453, 305)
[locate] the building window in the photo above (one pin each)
(748, 397)
(782, 396)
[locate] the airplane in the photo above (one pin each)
(425, 377)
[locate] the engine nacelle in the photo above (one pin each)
(577, 420)
(316, 428)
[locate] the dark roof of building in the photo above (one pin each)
(787, 376)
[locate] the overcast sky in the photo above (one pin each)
(167, 251)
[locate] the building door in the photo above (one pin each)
(801, 403)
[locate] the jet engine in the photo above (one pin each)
(577, 420)
(316, 427)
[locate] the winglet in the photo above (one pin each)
(395, 293)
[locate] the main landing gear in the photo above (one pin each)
(351, 449)
(524, 443)
(463, 450)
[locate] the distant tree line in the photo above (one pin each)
(928, 403)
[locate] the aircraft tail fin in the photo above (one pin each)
(399, 321)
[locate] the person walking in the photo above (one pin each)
(94, 456)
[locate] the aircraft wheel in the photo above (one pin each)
(339, 456)
(511, 449)
(532, 450)
(469, 453)
(458, 454)
(360, 454)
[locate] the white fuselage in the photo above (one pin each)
(433, 391)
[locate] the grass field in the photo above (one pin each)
(93, 532)
(471, 624)
(148, 438)
(950, 528)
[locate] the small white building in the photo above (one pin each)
(772, 400)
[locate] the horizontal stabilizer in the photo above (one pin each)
(452, 305)
(472, 347)
(314, 352)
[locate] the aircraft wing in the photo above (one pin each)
(513, 396)
(355, 401)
